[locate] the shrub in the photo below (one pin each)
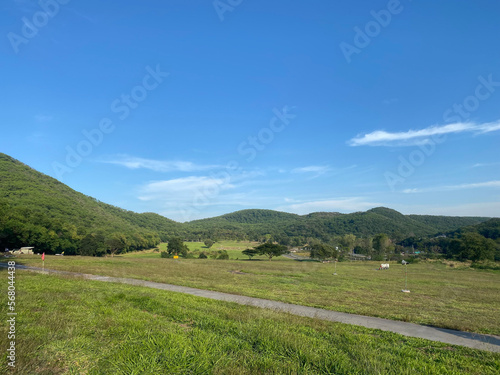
(223, 255)
(202, 256)
(486, 265)
(412, 260)
(164, 254)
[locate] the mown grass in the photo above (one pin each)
(464, 299)
(233, 248)
(73, 326)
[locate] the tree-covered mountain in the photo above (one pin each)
(37, 210)
(261, 224)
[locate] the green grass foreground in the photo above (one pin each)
(72, 326)
(463, 299)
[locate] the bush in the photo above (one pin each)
(486, 265)
(223, 255)
(412, 260)
(202, 256)
(164, 254)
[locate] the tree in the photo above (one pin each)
(476, 247)
(250, 253)
(348, 242)
(92, 245)
(176, 246)
(382, 244)
(322, 251)
(116, 244)
(364, 246)
(209, 243)
(271, 250)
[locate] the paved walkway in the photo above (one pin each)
(471, 340)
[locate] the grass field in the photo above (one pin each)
(233, 248)
(73, 326)
(463, 299)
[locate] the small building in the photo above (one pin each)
(353, 256)
(24, 250)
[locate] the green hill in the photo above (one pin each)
(256, 216)
(256, 224)
(488, 229)
(37, 210)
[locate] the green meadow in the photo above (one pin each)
(233, 249)
(73, 326)
(456, 297)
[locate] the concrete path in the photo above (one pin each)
(472, 340)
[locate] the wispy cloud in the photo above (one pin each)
(487, 184)
(485, 209)
(189, 198)
(133, 162)
(480, 165)
(343, 205)
(181, 189)
(412, 137)
(316, 170)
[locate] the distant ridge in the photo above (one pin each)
(37, 210)
(257, 223)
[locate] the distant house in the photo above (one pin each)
(353, 256)
(24, 250)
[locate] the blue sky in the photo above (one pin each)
(200, 108)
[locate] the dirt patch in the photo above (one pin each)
(455, 264)
(236, 272)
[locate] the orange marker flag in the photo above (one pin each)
(43, 256)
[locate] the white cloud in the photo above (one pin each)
(316, 169)
(487, 209)
(189, 198)
(479, 165)
(412, 137)
(133, 162)
(182, 189)
(487, 184)
(343, 205)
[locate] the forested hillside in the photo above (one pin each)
(474, 242)
(37, 210)
(295, 229)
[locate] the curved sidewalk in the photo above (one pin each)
(472, 340)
